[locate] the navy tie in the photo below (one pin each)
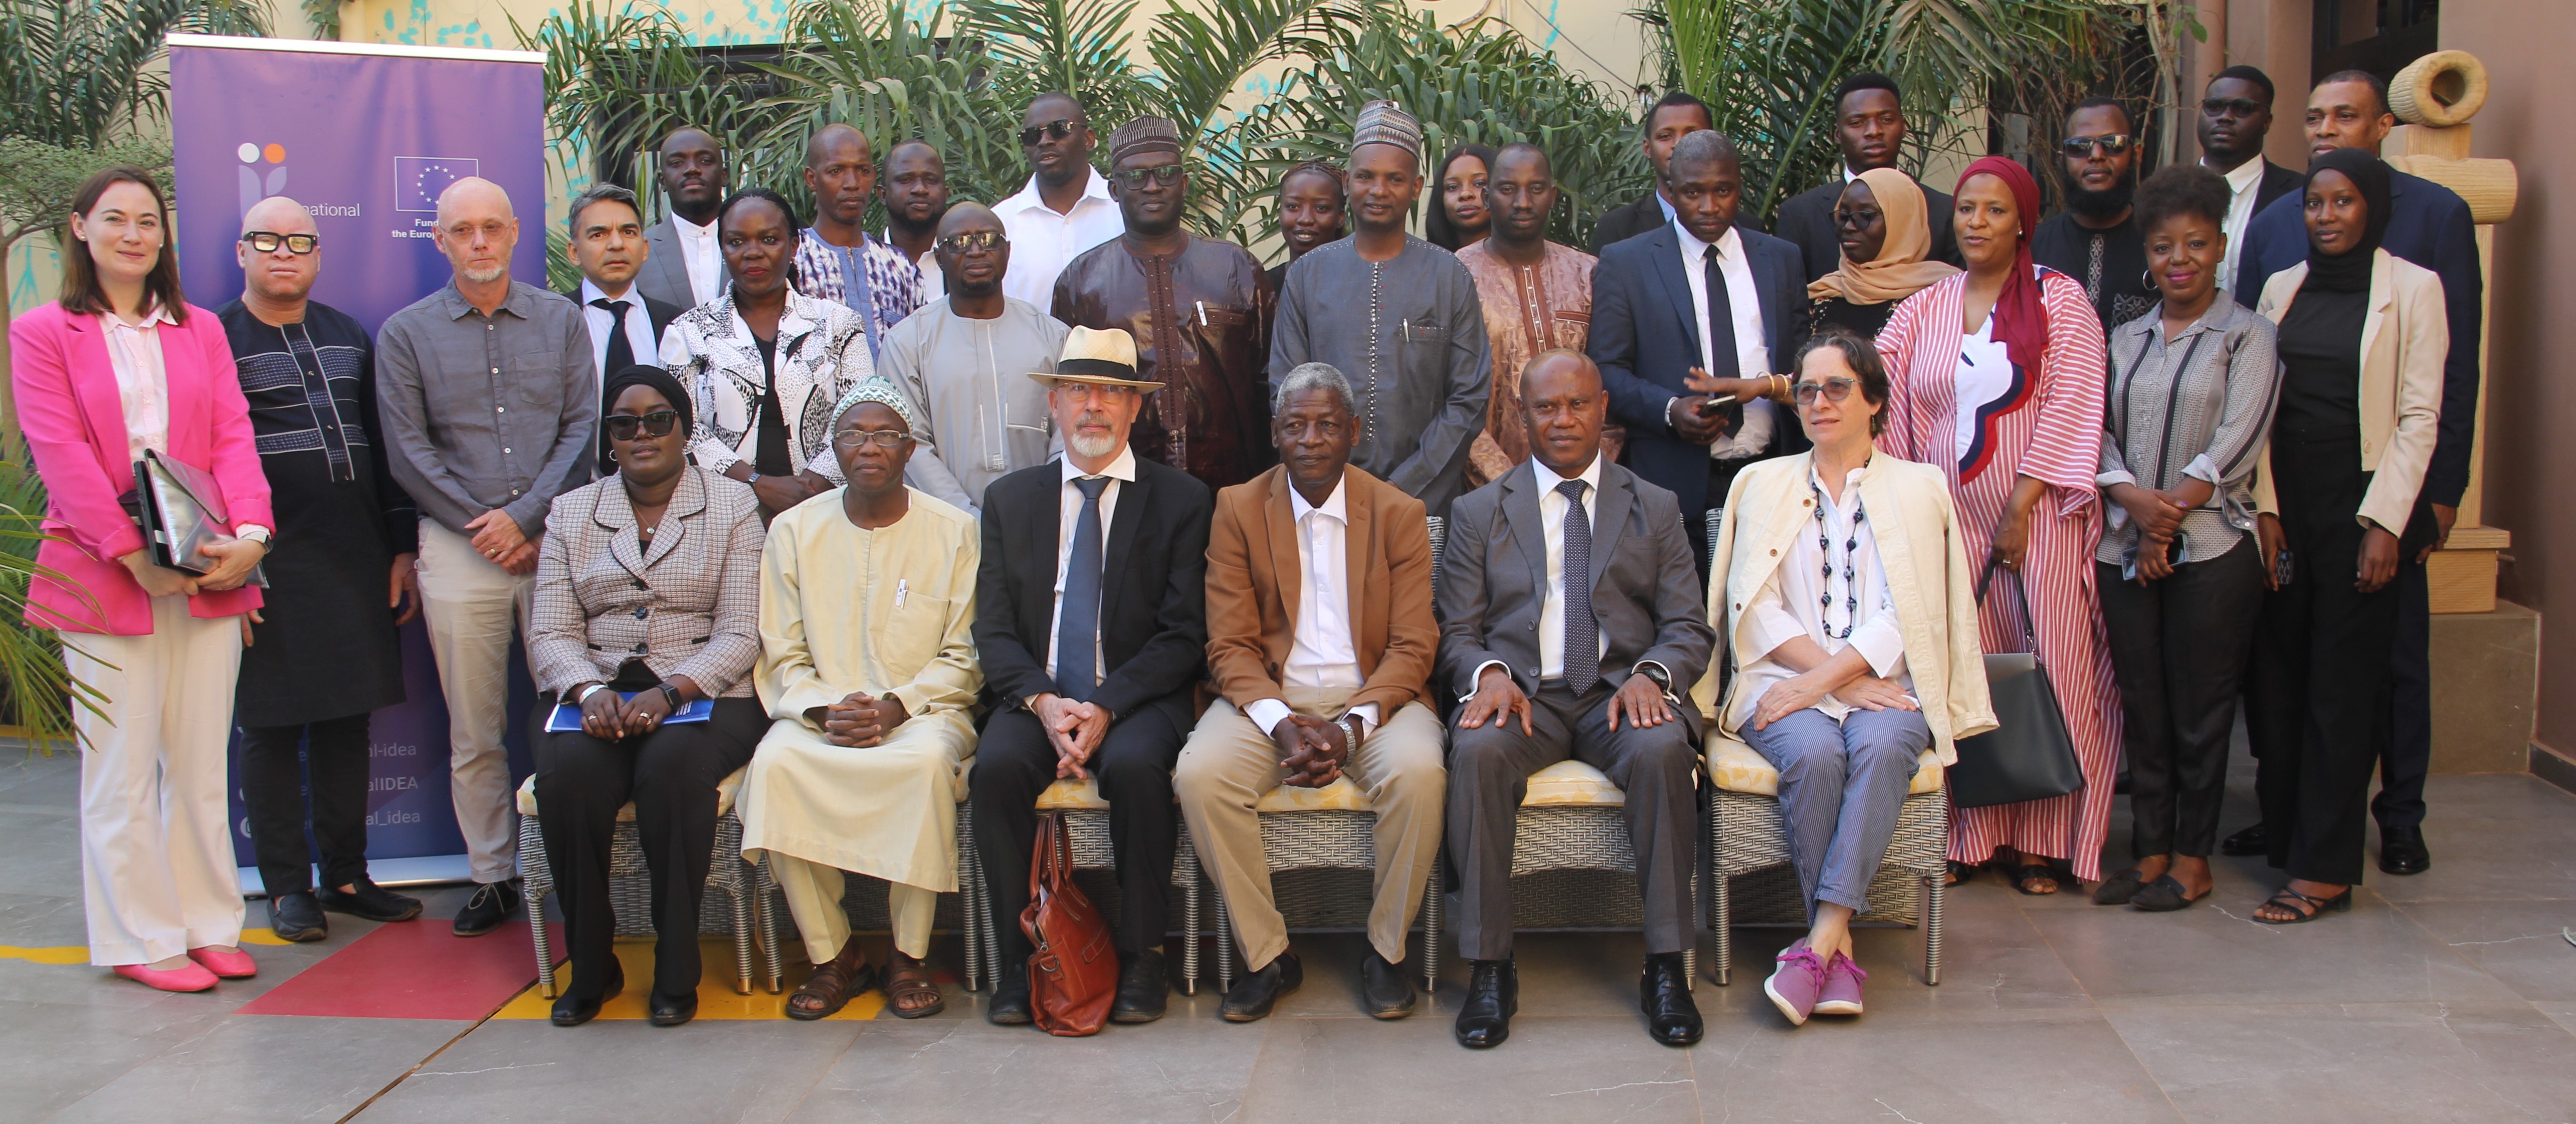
(621, 351)
(1077, 629)
(1582, 633)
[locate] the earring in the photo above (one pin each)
(2147, 279)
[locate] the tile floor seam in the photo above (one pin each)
(405, 1075)
(820, 1073)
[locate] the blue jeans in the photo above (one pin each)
(1841, 785)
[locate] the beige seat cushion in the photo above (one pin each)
(1073, 795)
(1343, 795)
(1735, 767)
(726, 789)
(1571, 783)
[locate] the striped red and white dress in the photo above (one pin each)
(2047, 428)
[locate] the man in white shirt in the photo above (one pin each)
(1066, 207)
(609, 248)
(2235, 116)
(686, 267)
(1320, 638)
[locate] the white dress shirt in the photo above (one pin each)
(1068, 519)
(934, 284)
(1322, 653)
(1808, 595)
(704, 258)
(1752, 358)
(639, 328)
(2244, 183)
(1044, 242)
(142, 383)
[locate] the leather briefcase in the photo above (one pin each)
(1073, 975)
(2029, 755)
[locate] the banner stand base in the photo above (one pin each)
(427, 870)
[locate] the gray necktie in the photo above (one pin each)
(1077, 630)
(1582, 633)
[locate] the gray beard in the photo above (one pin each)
(1091, 447)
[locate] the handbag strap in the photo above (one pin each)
(2021, 593)
(1045, 857)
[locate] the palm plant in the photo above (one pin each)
(37, 692)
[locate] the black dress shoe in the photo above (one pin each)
(370, 901)
(1386, 990)
(1010, 1003)
(1663, 993)
(662, 1010)
(1144, 986)
(572, 1011)
(297, 917)
(492, 904)
(1251, 997)
(2401, 850)
(2249, 842)
(1493, 997)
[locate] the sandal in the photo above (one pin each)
(909, 979)
(2164, 895)
(1960, 873)
(2029, 872)
(2291, 900)
(830, 987)
(2120, 888)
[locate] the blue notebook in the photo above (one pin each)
(567, 718)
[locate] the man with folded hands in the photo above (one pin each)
(1320, 637)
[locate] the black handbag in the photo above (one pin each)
(2029, 755)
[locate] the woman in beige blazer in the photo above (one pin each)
(2361, 339)
(1843, 592)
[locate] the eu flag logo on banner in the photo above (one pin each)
(419, 179)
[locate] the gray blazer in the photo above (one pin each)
(665, 276)
(687, 605)
(1645, 583)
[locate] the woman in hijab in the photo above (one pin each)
(1996, 374)
(2362, 339)
(1460, 215)
(1885, 237)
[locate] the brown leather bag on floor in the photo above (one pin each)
(1074, 973)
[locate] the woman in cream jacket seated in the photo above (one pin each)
(1843, 595)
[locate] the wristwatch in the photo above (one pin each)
(1351, 726)
(671, 696)
(1662, 679)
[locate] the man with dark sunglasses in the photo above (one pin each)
(2096, 239)
(2235, 117)
(1200, 310)
(1066, 207)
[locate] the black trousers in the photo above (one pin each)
(2318, 709)
(2409, 756)
(1014, 763)
(318, 770)
(2179, 648)
(671, 775)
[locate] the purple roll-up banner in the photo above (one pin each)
(365, 136)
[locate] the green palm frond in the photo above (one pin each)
(37, 691)
(1077, 47)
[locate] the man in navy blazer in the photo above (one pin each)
(2428, 224)
(1686, 360)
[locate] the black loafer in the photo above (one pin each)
(663, 1010)
(571, 1011)
(1010, 1003)
(491, 904)
(1252, 996)
(1386, 990)
(1663, 993)
(1144, 986)
(2119, 888)
(297, 917)
(1493, 997)
(373, 902)
(2401, 850)
(2250, 842)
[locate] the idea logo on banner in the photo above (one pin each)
(255, 183)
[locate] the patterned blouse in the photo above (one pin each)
(2198, 405)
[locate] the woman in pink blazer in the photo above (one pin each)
(120, 365)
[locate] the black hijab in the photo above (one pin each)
(2349, 272)
(640, 375)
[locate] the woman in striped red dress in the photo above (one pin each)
(1998, 374)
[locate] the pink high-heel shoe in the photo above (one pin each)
(234, 965)
(190, 977)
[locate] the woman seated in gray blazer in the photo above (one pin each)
(647, 602)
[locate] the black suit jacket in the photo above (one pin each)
(1620, 224)
(1808, 221)
(1645, 338)
(1153, 595)
(658, 313)
(2277, 182)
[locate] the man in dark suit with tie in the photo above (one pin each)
(609, 248)
(1690, 324)
(1090, 616)
(1571, 621)
(1869, 125)
(1667, 122)
(2235, 117)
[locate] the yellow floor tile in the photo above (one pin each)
(716, 997)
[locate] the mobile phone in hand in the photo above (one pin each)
(2281, 568)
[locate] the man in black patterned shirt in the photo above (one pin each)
(2096, 239)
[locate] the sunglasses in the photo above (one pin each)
(1057, 129)
(1855, 219)
(2109, 144)
(1834, 389)
(2231, 107)
(266, 242)
(887, 439)
(622, 427)
(1166, 176)
(972, 241)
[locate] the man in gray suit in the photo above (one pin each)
(684, 267)
(1571, 622)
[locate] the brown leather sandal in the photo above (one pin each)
(907, 981)
(830, 987)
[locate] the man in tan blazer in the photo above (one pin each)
(1321, 639)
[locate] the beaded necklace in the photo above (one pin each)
(1851, 549)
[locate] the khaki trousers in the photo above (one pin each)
(1229, 764)
(814, 900)
(474, 608)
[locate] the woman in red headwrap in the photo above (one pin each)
(1997, 374)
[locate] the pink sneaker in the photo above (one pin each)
(234, 965)
(1794, 985)
(189, 977)
(1841, 994)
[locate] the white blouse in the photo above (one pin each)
(142, 384)
(1985, 377)
(1831, 583)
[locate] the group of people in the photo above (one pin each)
(847, 526)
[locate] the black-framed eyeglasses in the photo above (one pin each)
(658, 423)
(887, 439)
(1834, 389)
(973, 240)
(1166, 175)
(2235, 107)
(1058, 129)
(267, 242)
(1858, 220)
(2109, 144)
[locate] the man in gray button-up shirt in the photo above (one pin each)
(486, 394)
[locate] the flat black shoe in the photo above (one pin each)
(2165, 895)
(492, 904)
(2119, 888)
(571, 1011)
(297, 917)
(1386, 990)
(1144, 986)
(1663, 993)
(1493, 997)
(2401, 850)
(1010, 1003)
(666, 1011)
(367, 900)
(2250, 842)
(1252, 996)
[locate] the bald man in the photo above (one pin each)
(488, 402)
(836, 260)
(322, 651)
(1065, 209)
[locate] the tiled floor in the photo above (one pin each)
(2450, 996)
